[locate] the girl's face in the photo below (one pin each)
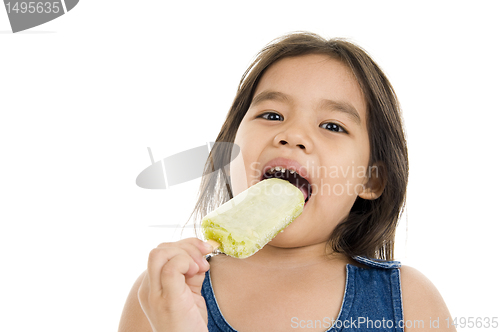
(308, 114)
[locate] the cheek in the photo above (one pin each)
(244, 170)
(343, 180)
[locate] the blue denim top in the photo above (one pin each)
(372, 300)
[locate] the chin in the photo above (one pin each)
(291, 237)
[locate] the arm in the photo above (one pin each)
(423, 303)
(167, 296)
(133, 318)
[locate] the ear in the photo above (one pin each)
(375, 183)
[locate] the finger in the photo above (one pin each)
(173, 275)
(192, 247)
(197, 256)
(158, 257)
(203, 247)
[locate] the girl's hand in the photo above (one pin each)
(170, 293)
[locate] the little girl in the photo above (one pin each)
(325, 110)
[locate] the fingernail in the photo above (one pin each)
(208, 246)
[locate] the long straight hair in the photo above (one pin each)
(369, 229)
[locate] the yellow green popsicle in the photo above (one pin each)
(246, 223)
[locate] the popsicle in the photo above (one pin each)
(246, 223)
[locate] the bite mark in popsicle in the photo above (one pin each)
(246, 223)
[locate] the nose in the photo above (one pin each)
(294, 136)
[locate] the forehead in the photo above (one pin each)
(313, 77)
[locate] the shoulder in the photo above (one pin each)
(422, 301)
(133, 318)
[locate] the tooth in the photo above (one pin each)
(292, 172)
(278, 169)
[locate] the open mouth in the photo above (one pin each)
(291, 176)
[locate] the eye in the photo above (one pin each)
(333, 127)
(271, 116)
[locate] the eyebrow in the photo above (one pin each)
(344, 107)
(328, 104)
(271, 95)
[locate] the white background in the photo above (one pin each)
(83, 96)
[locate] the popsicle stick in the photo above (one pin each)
(213, 243)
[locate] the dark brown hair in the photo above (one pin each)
(369, 229)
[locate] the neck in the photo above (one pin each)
(277, 257)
